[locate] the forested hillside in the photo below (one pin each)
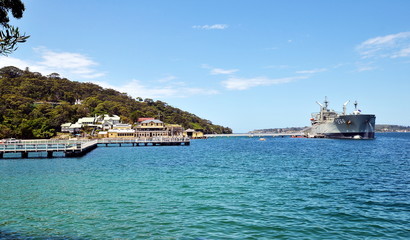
(34, 106)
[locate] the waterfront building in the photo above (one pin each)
(174, 129)
(151, 128)
(102, 134)
(121, 126)
(89, 121)
(144, 119)
(74, 128)
(104, 122)
(114, 119)
(105, 126)
(65, 127)
(121, 133)
(191, 133)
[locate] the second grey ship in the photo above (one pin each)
(331, 124)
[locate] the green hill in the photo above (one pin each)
(34, 106)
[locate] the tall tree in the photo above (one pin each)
(10, 35)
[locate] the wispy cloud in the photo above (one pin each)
(234, 83)
(137, 88)
(211, 27)
(167, 79)
(219, 71)
(278, 66)
(312, 71)
(389, 46)
(365, 66)
(402, 53)
(67, 64)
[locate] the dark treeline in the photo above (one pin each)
(34, 106)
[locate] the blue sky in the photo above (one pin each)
(243, 64)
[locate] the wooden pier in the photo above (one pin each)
(155, 141)
(77, 148)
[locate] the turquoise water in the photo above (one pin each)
(226, 188)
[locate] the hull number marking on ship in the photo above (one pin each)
(340, 121)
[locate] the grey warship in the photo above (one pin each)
(331, 124)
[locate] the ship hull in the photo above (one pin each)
(345, 127)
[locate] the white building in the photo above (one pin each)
(104, 122)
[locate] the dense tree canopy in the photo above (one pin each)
(34, 106)
(10, 35)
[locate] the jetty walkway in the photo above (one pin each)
(77, 148)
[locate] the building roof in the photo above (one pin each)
(114, 117)
(190, 130)
(144, 119)
(76, 125)
(86, 119)
(102, 132)
(122, 125)
(152, 120)
(65, 124)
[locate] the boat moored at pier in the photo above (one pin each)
(331, 124)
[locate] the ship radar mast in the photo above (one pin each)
(356, 111)
(323, 108)
(326, 103)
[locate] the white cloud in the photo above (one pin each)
(365, 68)
(389, 46)
(168, 78)
(71, 65)
(312, 71)
(65, 60)
(211, 27)
(234, 83)
(217, 71)
(10, 61)
(405, 52)
(136, 88)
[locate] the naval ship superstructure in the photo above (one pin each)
(331, 124)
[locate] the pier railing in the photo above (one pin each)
(144, 140)
(47, 146)
(81, 147)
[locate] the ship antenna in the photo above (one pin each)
(326, 103)
(355, 105)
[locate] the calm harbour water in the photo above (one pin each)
(223, 188)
